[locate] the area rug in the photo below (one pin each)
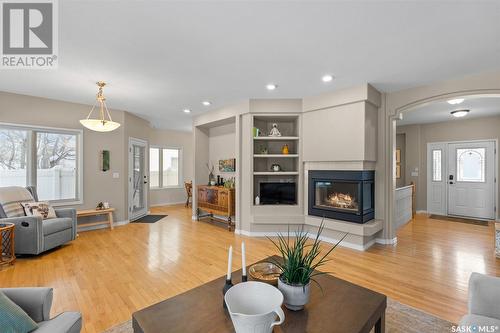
(459, 219)
(150, 219)
(399, 318)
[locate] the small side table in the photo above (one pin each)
(95, 212)
(7, 255)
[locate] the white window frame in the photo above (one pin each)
(440, 165)
(31, 169)
(160, 175)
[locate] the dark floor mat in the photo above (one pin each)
(459, 219)
(149, 219)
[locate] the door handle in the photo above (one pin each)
(145, 182)
(451, 183)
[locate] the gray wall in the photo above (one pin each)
(417, 137)
(177, 139)
(97, 185)
(222, 146)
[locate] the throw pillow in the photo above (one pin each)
(13, 319)
(11, 198)
(42, 208)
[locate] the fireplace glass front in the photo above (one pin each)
(338, 195)
(342, 195)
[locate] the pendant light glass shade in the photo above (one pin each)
(102, 124)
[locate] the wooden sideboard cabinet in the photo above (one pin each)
(216, 200)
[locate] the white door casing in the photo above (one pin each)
(471, 179)
(137, 179)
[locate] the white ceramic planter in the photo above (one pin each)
(295, 296)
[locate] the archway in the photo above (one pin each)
(412, 101)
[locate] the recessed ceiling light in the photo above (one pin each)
(327, 78)
(206, 103)
(459, 113)
(187, 111)
(271, 86)
(455, 101)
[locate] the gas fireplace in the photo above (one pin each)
(342, 195)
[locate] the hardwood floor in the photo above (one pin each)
(107, 274)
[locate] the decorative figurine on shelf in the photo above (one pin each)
(275, 131)
(275, 167)
(285, 150)
(211, 178)
(105, 205)
(263, 150)
(100, 206)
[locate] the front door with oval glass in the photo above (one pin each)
(461, 179)
(471, 179)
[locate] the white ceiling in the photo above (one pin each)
(160, 57)
(440, 111)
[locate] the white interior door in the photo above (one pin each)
(471, 179)
(138, 179)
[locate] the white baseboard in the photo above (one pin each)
(82, 227)
(385, 241)
(323, 238)
(168, 204)
(421, 212)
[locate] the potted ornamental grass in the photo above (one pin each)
(301, 257)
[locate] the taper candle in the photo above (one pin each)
(229, 263)
(243, 260)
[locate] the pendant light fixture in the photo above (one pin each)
(102, 124)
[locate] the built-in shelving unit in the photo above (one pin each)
(275, 173)
(268, 151)
(276, 138)
(276, 155)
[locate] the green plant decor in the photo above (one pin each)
(300, 257)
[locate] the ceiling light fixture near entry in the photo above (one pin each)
(327, 78)
(187, 111)
(206, 103)
(459, 113)
(104, 123)
(271, 86)
(455, 101)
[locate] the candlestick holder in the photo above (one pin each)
(226, 287)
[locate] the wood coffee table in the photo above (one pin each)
(342, 307)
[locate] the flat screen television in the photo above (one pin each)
(276, 193)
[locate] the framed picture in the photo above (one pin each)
(398, 155)
(398, 171)
(228, 165)
(105, 160)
